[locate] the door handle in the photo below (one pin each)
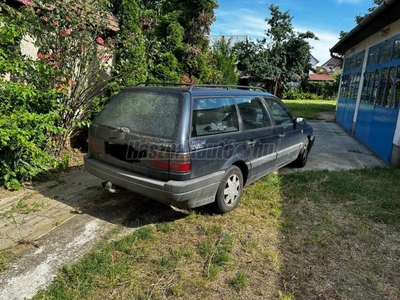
(281, 135)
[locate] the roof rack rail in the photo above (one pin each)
(163, 84)
(225, 86)
(193, 87)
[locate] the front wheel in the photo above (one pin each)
(230, 190)
(301, 160)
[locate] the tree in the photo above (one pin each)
(174, 39)
(253, 60)
(130, 62)
(359, 18)
(282, 52)
(224, 60)
(195, 17)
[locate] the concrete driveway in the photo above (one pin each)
(335, 150)
(73, 212)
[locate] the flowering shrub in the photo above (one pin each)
(45, 98)
(74, 39)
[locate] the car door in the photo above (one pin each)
(288, 143)
(259, 136)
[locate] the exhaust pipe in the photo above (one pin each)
(109, 187)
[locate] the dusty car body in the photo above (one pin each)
(194, 145)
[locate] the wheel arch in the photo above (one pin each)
(243, 168)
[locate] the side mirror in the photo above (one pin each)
(299, 120)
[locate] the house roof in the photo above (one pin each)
(333, 61)
(313, 57)
(383, 15)
(320, 77)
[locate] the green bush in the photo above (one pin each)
(326, 89)
(294, 95)
(26, 125)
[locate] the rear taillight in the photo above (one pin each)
(173, 162)
(179, 163)
(93, 144)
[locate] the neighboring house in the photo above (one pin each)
(333, 65)
(313, 63)
(320, 77)
(369, 95)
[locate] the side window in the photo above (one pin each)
(280, 113)
(253, 113)
(213, 116)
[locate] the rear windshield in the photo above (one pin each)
(148, 113)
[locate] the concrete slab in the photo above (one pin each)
(336, 150)
(73, 213)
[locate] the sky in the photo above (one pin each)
(326, 18)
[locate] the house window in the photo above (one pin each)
(382, 87)
(385, 52)
(344, 86)
(354, 83)
(373, 56)
(396, 49)
(359, 60)
(367, 81)
(395, 99)
(376, 74)
(370, 87)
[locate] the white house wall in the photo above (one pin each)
(28, 47)
(392, 30)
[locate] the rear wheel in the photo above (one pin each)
(301, 160)
(230, 190)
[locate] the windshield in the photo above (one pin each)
(149, 113)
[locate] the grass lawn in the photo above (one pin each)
(310, 235)
(310, 109)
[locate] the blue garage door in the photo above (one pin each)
(348, 92)
(379, 106)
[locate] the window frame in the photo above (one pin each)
(282, 105)
(262, 106)
(195, 132)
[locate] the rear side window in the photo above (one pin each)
(213, 116)
(148, 113)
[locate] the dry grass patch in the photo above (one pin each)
(342, 242)
(311, 235)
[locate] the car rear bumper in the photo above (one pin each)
(189, 193)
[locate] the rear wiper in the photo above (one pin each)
(121, 128)
(104, 125)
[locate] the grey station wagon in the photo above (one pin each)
(193, 145)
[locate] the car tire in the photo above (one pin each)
(229, 190)
(301, 159)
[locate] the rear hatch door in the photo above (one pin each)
(137, 131)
